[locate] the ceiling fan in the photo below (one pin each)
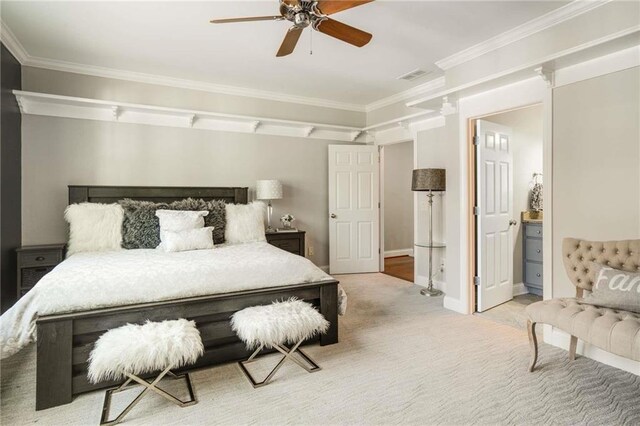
(304, 13)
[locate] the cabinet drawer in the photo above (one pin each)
(533, 231)
(291, 245)
(533, 273)
(533, 249)
(40, 258)
(30, 276)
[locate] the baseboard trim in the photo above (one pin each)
(519, 289)
(454, 305)
(561, 339)
(399, 252)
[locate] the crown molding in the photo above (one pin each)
(97, 71)
(96, 109)
(421, 89)
(11, 42)
(555, 17)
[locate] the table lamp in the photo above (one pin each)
(269, 190)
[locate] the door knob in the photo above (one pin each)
(513, 222)
(333, 216)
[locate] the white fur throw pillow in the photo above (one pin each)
(94, 227)
(190, 239)
(245, 223)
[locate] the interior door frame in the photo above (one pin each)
(472, 197)
(381, 174)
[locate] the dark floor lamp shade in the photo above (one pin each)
(429, 180)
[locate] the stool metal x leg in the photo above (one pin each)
(148, 386)
(287, 354)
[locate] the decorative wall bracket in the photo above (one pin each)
(547, 74)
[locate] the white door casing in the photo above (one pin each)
(494, 156)
(354, 221)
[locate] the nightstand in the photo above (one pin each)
(293, 242)
(34, 262)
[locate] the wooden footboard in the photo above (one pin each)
(65, 341)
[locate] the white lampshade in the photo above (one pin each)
(268, 190)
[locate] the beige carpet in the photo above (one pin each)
(402, 359)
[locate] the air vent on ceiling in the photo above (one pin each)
(410, 76)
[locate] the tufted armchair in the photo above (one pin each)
(613, 330)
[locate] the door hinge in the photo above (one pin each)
(378, 204)
(476, 210)
(476, 280)
(378, 250)
(476, 140)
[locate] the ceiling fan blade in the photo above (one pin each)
(344, 32)
(329, 7)
(290, 41)
(248, 19)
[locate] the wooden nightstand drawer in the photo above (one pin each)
(293, 242)
(34, 262)
(40, 258)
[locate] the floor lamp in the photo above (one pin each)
(431, 180)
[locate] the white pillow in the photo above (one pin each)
(178, 220)
(245, 223)
(94, 227)
(190, 239)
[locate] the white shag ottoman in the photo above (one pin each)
(274, 326)
(133, 350)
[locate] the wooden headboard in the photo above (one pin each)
(167, 194)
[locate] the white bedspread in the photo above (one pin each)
(95, 280)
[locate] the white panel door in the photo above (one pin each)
(354, 232)
(494, 176)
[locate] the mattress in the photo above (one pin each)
(94, 280)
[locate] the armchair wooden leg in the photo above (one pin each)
(533, 343)
(572, 348)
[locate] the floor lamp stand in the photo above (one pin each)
(430, 291)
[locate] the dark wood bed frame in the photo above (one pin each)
(65, 340)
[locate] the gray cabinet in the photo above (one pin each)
(532, 257)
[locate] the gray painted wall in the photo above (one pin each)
(596, 164)
(398, 197)
(58, 152)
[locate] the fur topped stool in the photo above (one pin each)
(133, 350)
(273, 326)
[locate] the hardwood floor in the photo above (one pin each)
(399, 267)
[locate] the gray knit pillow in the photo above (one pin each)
(140, 227)
(217, 216)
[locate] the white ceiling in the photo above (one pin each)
(175, 39)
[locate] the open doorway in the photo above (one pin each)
(396, 166)
(508, 159)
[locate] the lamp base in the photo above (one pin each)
(433, 292)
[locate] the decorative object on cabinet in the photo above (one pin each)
(536, 193)
(269, 190)
(286, 221)
(431, 180)
(34, 262)
(293, 242)
(532, 256)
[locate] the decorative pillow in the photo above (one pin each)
(190, 239)
(615, 289)
(180, 220)
(140, 228)
(245, 223)
(215, 218)
(94, 227)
